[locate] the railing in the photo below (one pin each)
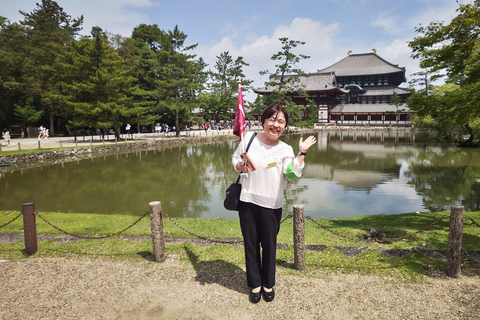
(454, 259)
(95, 140)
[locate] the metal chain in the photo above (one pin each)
(419, 231)
(287, 217)
(473, 221)
(88, 236)
(383, 240)
(331, 231)
(6, 224)
(198, 236)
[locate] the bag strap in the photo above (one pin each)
(250, 142)
(248, 147)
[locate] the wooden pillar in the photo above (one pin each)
(299, 236)
(156, 225)
(455, 241)
(29, 228)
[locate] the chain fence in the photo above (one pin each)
(6, 224)
(473, 221)
(82, 236)
(380, 238)
(231, 241)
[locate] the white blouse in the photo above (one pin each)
(264, 186)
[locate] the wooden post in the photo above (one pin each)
(29, 228)
(19, 147)
(39, 147)
(299, 236)
(156, 225)
(455, 241)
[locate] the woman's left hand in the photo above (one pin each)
(304, 145)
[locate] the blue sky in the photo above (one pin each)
(251, 29)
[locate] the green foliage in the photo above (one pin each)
(221, 99)
(181, 76)
(48, 29)
(27, 113)
(97, 86)
(452, 110)
(286, 79)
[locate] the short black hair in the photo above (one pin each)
(272, 111)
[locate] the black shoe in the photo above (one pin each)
(268, 296)
(255, 296)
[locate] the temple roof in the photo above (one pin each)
(363, 64)
(369, 108)
(382, 91)
(318, 81)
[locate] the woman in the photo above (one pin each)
(261, 200)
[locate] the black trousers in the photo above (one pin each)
(260, 227)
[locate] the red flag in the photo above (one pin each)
(239, 124)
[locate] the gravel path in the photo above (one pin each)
(58, 288)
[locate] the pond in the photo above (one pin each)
(347, 174)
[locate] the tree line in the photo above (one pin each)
(50, 74)
(450, 51)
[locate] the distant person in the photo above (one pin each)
(127, 129)
(40, 132)
(6, 137)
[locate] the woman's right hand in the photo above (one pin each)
(240, 166)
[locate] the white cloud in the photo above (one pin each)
(116, 16)
(387, 22)
(320, 46)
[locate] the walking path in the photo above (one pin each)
(59, 142)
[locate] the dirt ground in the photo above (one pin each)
(58, 288)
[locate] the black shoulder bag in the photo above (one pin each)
(232, 198)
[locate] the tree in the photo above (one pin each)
(27, 114)
(224, 86)
(286, 78)
(452, 50)
(142, 54)
(181, 77)
(98, 87)
(48, 29)
(11, 70)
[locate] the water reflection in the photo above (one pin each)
(347, 174)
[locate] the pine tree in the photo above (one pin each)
(48, 29)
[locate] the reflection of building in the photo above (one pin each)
(356, 164)
(357, 90)
(350, 180)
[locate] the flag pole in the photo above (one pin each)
(243, 107)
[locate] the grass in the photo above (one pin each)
(225, 257)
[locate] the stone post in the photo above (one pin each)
(299, 236)
(455, 241)
(29, 228)
(156, 225)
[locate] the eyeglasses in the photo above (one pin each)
(280, 122)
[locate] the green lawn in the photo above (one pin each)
(227, 257)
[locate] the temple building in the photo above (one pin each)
(357, 90)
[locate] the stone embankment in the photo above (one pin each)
(96, 150)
